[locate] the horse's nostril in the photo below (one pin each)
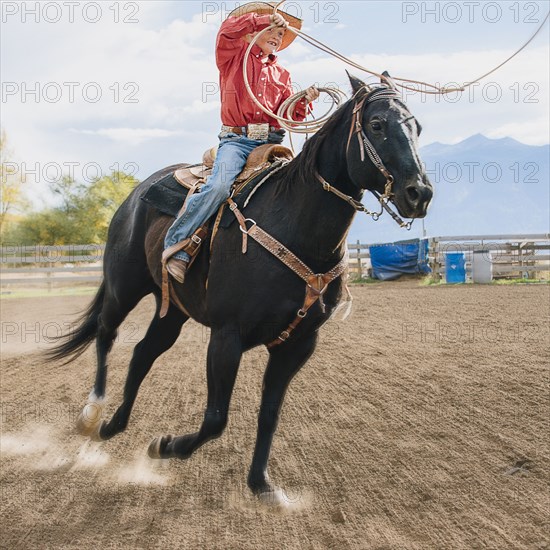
(412, 194)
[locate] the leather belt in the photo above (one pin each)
(241, 130)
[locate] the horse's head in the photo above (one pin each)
(382, 149)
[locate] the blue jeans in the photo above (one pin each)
(230, 160)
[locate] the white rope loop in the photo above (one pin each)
(337, 96)
(433, 89)
(289, 105)
(308, 126)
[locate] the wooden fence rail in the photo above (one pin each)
(512, 256)
(50, 264)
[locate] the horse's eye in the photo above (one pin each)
(376, 126)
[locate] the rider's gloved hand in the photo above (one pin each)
(278, 20)
(276, 136)
(312, 93)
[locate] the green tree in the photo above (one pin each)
(47, 227)
(11, 183)
(102, 199)
(69, 192)
(83, 215)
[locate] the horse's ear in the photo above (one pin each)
(356, 84)
(388, 80)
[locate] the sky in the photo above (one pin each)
(88, 87)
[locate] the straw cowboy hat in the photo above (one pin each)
(266, 8)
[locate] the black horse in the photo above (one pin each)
(251, 298)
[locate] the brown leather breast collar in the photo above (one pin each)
(316, 283)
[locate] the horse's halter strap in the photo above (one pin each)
(364, 143)
(366, 146)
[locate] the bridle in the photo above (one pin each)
(366, 148)
(318, 283)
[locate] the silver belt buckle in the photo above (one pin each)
(258, 131)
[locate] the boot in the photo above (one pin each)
(177, 268)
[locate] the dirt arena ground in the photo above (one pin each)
(421, 422)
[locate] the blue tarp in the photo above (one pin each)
(390, 261)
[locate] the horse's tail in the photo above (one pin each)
(77, 340)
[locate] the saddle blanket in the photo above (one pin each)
(167, 195)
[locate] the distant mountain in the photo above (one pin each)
(482, 186)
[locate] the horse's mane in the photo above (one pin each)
(305, 164)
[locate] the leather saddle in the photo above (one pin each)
(192, 177)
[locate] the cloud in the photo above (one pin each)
(533, 132)
(201, 107)
(514, 97)
(158, 82)
(131, 136)
(299, 49)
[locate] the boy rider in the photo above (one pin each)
(272, 86)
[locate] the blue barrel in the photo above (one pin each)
(455, 268)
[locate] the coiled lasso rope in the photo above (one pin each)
(310, 126)
(289, 105)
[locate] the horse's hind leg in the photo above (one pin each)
(160, 336)
(113, 313)
(224, 356)
(284, 362)
(111, 318)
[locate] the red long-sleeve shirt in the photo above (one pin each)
(269, 81)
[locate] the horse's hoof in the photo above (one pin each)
(272, 497)
(277, 499)
(157, 447)
(88, 420)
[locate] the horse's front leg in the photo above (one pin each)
(224, 356)
(284, 362)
